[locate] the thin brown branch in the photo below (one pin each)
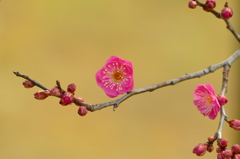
(33, 81)
(201, 73)
(115, 103)
(223, 115)
(232, 30)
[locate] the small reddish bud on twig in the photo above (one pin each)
(227, 153)
(219, 149)
(210, 148)
(55, 91)
(226, 12)
(192, 4)
(220, 156)
(42, 94)
(211, 139)
(71, 88)
(66, 99)
(200, 149)
(82, 111)
(222, 142)
(210, 4)
(236, 148)
(236, 156)
(222, 99)
(28, 84)
(235, 124)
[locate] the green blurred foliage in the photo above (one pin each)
(70, 40)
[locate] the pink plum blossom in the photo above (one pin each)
(115, 77)
(206, 100)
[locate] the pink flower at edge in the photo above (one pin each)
(206, 100)
(116, 77)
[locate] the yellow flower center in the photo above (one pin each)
(209, 99)
(117, 76)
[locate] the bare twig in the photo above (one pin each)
(232, 30)
(115, 103)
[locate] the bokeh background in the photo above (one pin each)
(69, 41)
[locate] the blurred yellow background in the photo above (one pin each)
(69, 41)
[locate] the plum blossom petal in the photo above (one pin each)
(206, 100)
(115, 77)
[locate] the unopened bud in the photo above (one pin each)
(226, 12)
(71, 88)
(219, 149)
(28, 84)
(192, 4)
(222, 99)
(200, 149)
(210, 148)
(220, 156)
(222, 142)
(235, 124)
(42, 94)
(236, 148)
(211, 139)
(236, 156)
(55, 91)
(66, 99)
(210, 4)
(82, 111)
(227, 153)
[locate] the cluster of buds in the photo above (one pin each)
(66, 97)
(209, 5)
(201, 149)
(222, 151)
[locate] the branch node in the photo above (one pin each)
(115, 106)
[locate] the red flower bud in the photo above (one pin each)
(28, 84)
(227, 153)
(71, 88)
(82, 111)
(222, 99)
(211, 139)
(222, 142)
(219, 149)
(55, 91)
(42, 94)
(210, 4)
(210, 147)
(235, 124)
(192, 4)
(236, 148)
(236, 156)
(220, 156)
(226, 12)
(200, 149)
(66, 99)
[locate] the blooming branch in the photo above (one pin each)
(93, 107)
(116, 78)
